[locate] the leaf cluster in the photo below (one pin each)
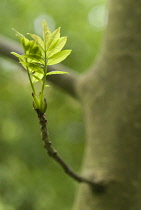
(38, 54)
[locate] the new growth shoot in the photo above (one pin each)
(39, 53)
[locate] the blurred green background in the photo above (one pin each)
(29, 179)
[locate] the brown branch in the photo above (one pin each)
(96, 186)
(67, 82)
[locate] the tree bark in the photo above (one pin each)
(111, 98)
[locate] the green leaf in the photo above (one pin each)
(28, 46)
(38, 53)
(25, 43)
(21, 59)
(38, 40)
(35, 58)
(46, 33)
(53, 39)
(57, 46)
(56, 72)
(58, 57)
(17, 55)
(17, 33)
(33, 67)
(32, 48)
(37, 77)
(22, 38)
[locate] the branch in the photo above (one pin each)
(96, 186)
(67, 82)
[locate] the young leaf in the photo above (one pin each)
(17, 55)
(38, 40)
(56, 72)
(58, 57)
(57, 47)
(38, 54)
(22, 38)
(32, 48)
(53, 38)
(17, 33)
(46, 34)
(35, 58)
(24, 41)
(33, 67)
(37, 77)
(21, 59)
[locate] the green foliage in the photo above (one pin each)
(38, 54)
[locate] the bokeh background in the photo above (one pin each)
(29, 179)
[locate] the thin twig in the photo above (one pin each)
(97, 186)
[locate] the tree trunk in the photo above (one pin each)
(111, 98)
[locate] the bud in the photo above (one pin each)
(36, 102)
(43, 106)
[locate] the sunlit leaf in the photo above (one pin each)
(58, 57)
(32, 48)
(21, 59)
(38, 54)
(57, 46)
(46, 33)
(17, 55)
(53, 39)
(38, 40)
(17, 33)
(37, 77)
(24, 41)
(35, 58)
(56, 72)
(22, 38)
(33, 66)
